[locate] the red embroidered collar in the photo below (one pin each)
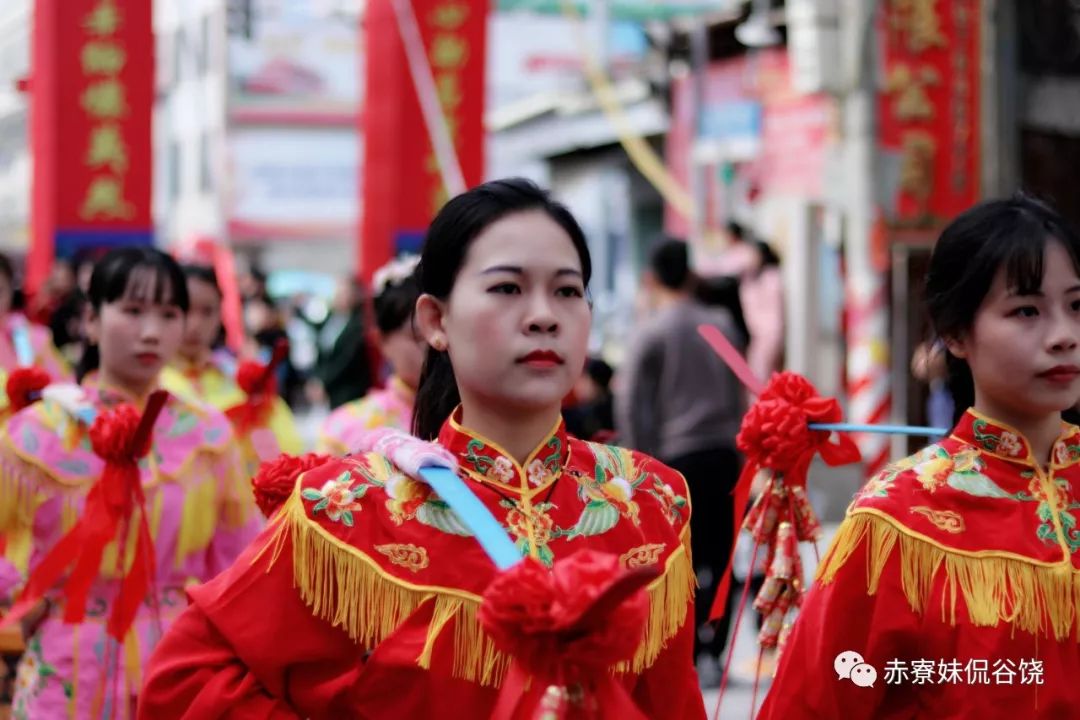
(486, 462)
(1003, 441)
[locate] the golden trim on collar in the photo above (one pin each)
(487, 462)
(1005, 442)
(993, 437)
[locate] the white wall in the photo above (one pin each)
(15, 160)
(190, 113)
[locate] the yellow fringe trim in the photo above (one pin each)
(342, 586)
(198, 517)
(670, 597)
(349, 590)
(18, 498)
(1035, 597)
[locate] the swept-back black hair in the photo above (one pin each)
(395, 303)
(1011, 234)
(141, 273)
(203, 273)
(448, 239)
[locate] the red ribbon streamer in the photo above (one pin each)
(121, 438)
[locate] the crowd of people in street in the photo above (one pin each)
(144, 534)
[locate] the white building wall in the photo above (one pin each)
(15, 165)
(189, 121)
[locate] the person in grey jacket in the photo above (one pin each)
(679, 402)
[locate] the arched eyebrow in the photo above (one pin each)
(518, 270)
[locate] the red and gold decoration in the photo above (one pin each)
(777, 440)
(92, 94)
(929, 106)
(402, 183)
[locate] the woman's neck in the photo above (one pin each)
(1041, 432)
(517, 433)
(131, 390)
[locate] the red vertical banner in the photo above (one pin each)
(929, 105)
(92, 94)
(401, 186)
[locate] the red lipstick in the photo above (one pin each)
(542, 358)
(1061, 373)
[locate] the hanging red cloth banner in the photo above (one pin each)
(92, 94)
(401, 185)
(929, 106)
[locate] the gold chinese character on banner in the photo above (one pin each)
(449, 87)
(105, 201)
(909, 85)
(919, 22)
(107, 148)
(449, 52)
(101, 57)
(104, 19)
(917, 165)
(105, 99)
(450, 15)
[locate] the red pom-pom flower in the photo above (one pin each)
(24, 386)
(776, 432)
(276, 479)
(566, 627)
(113, 436)
(254, 378)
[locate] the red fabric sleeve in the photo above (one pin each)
(194, 673)
(838, 617)
(249, 647)
(669, 687)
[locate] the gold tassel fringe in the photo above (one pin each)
(350, 591)
(343, 587)
(1037, 598)
(198, 518)
(669, 602)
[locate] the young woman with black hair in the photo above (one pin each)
(209, 372)
(952, 588)
(196, 502)
(376, 584)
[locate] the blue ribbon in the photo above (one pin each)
(921, 431)
(24, 350)
(474, 515)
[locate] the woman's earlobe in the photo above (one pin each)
(956, 348)
(429, 316)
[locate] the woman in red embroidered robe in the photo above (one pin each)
(950, 590)
(360, 600)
